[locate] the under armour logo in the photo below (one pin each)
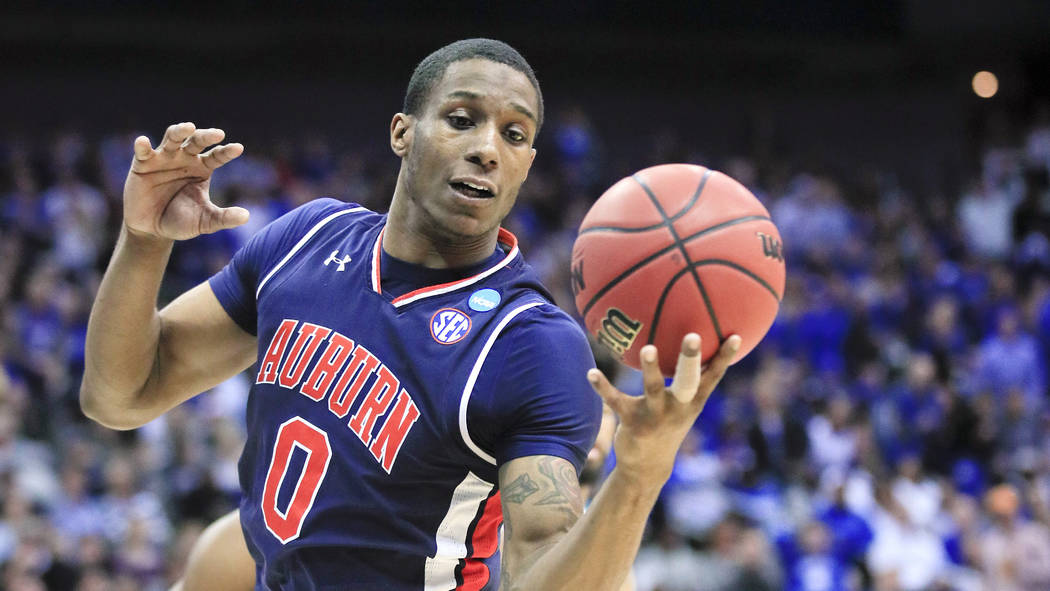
(333, 258)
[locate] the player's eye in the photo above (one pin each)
(516, 136)
(459, 121)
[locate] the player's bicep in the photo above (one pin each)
(541, 501)
(200, 347)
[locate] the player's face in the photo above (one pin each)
(470, 150)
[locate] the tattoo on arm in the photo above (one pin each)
(519, 490)
(556, 504)
(566, 494)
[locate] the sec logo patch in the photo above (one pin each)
(449, 325)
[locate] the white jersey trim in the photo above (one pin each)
(376, 287)
(439, 571)
(302, 242)
(469, 388)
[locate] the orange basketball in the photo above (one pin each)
(673, 249)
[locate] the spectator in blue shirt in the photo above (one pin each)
(1011, 359)
(811, 560)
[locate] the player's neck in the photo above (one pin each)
(413, 240)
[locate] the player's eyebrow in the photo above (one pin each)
(473, 96)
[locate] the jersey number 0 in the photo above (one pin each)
(294, 433)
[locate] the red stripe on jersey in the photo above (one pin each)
(485, 542)
(505, 237)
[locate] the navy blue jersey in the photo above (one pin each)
(386, 396)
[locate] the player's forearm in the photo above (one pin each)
(123, 333)
(598, 551)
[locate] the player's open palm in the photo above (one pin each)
(166, 192)
(652, 426)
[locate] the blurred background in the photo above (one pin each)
(891, 433)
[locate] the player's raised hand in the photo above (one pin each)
(166, 192)
(652, 426)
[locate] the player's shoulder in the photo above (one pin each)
(325, 209)
(541, 319)
(318, 215)
(302, 225)
(529, 306)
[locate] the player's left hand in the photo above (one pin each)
(652, 426)
(167, 191)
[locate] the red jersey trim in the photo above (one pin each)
(484, 542)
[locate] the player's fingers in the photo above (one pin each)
(613, 397)
(222, 218)
(220, 155)
(201, 139)
(652, 378)
(163, 177)
(717, 368)
(143, 149)
(687, 371)
(175, 135)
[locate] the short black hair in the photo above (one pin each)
(432, 68)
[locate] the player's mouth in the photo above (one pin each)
(474, 189)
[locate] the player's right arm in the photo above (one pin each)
(549, 543)
(140, 362)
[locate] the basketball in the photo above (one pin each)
(673, 249)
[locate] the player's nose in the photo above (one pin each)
(484, 150)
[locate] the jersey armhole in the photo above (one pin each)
(229, 303)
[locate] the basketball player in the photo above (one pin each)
(415, 386)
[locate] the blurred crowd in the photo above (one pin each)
(891, 433)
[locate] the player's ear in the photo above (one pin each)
(532, 158)
(401, 133)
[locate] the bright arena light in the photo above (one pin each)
(985, 84)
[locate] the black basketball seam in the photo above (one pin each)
(616, 280)
(685, 255)
(742, 269)
(702, 263)
(696, 196)
(660, 305)
(685, 208)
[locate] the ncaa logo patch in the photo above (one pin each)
(449, 325)
(484, 300)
